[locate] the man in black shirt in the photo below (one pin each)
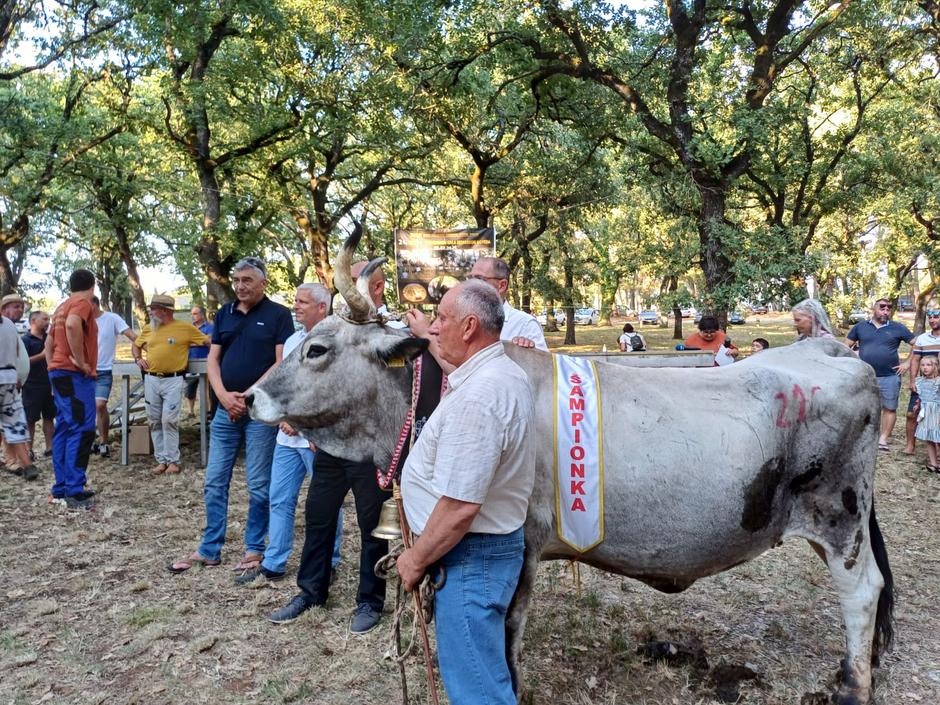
(37, 392)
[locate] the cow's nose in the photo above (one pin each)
(249, 400)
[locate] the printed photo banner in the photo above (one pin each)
(429, 262)
(579, 454)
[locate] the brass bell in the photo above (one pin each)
(389, 526)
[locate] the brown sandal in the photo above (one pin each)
(160, 469)
(172, 469)
(249, 561)
(184, 564)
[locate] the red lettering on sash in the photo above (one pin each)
(575, 379)
(577, 435)
(576, 417)
(576, 404)
(576, 391)
(577, 470)
(577, 453)
(578, 505)
(577, 487)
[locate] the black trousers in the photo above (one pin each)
(332, 478)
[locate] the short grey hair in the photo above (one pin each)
(36, 314)
(497, 265)
(814, 309)
(320, 294)
(251, 263)
(481, 300)
(201, 309)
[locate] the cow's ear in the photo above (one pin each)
(402, 351)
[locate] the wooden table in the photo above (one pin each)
(126, 371)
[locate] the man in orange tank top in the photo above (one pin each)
(72, 353)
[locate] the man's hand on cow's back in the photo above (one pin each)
(523, 342)
(417, 321)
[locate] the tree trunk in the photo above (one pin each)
(218, 282)
(716, 266)
(133, 276)
(7, 277)
(551, 325)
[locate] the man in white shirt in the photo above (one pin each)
(466, 487)
(110, 326)
(293, 458)
(518, 327)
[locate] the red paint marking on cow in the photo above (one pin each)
(782, 422)
(813, 390)
(798, 393)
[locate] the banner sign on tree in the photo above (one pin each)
(429, 262)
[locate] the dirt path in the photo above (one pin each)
(90, 614)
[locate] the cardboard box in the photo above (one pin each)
(138, 440)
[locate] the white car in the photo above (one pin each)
(586, 316)
(22, 326)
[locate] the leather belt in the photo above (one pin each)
(166, 374)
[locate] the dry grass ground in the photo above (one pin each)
(90, 615)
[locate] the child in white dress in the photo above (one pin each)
(928, 419)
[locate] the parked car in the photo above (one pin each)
(735, 318)
(559, 317)
(758, 308)
(648, 318)
(905, 303)
(858, 315)
(22, 326)
(687, 311)
(586, 317)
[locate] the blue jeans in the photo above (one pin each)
(226, 438)
(74, 395)
(288, 470)
(470, 614)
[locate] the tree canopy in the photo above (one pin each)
(689, 150)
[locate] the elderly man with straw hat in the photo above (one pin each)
(166, 342)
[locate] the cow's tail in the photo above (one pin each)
(884, 618)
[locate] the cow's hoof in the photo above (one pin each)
(842, 698)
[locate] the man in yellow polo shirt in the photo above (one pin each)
(166, 342)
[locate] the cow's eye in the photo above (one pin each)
(316, 350)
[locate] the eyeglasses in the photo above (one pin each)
(483, 277)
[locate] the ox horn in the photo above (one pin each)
(360, 305)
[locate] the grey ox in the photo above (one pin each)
(704, 468)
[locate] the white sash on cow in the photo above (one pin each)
(579, 455)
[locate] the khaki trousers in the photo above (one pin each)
(163, 397)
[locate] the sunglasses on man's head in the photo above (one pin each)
(933, 313)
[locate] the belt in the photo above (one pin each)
(166, 374)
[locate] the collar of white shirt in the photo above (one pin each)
(476, 361)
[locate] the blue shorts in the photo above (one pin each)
(890, 388)
(103, 384)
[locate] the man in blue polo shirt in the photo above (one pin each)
(877, 341)
(248, 340)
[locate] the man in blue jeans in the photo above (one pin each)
(878, 340)
(466, 487)
(248, 340)
(293, 458)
